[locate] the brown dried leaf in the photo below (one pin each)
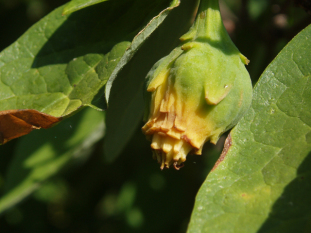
(16, 123)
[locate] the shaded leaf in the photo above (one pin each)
(125, 91)
(42, 154)
(137, 42)
(263, 183)
(75, 5)
(62, 62)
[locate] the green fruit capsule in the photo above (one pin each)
(197, 92)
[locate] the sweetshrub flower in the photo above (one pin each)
(197, 92)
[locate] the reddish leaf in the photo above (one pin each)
(16, 123)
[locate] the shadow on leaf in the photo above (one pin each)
(291, 212)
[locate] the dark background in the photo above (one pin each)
(131, 194)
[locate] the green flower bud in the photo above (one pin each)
(197, 92)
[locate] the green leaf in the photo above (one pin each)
(264, 182)
(125, 91)
(75, 5)
(61, 63)
(42, 154)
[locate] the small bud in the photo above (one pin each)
(197, 92)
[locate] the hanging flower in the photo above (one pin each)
(197, 92)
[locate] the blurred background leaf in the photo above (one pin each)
(75, 5)
(264, 182)
(42, 154)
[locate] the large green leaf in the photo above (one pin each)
(42, 154)
(264, 182)
(125, 91)
(62, 62)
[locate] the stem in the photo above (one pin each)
(208, 24)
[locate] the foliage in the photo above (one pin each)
(93, 171)
(263, 183)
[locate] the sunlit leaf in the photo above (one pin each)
(263, 183)
(62, 62)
